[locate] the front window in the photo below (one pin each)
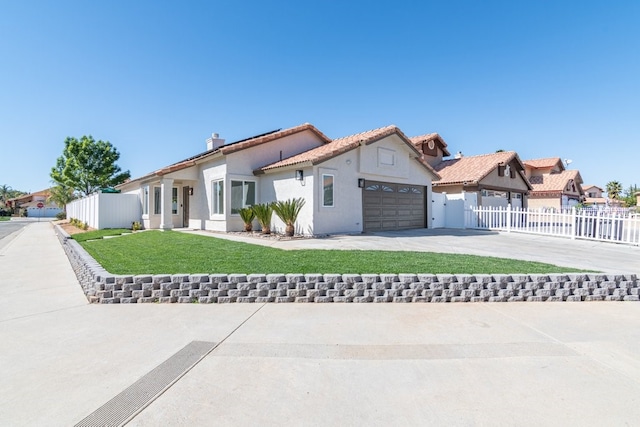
(145, 200)
(243, 195)
(174, 201)
(327, 191)
(218, 197)
(157, 201)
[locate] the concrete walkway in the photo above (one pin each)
(533, 364)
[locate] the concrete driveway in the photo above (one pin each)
(63, 360)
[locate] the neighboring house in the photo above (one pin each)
(371, 181)
(496, 179)
(29, 203)
(432, 146)
(553, 185)
(593, 195)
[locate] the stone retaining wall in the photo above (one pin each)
(103, 287)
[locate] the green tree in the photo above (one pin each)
(629, 195)
(61, 195)
(614, 188)
(87, 165)
(5, 191)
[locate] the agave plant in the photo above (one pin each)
(288, 211)
(263, 212)
(247, 215)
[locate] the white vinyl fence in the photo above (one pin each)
(106, 210)
(604, 225)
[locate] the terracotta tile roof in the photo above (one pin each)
(342, 145)
(232, 148)
(421, 139)
(548, 162)
(589, 186)
(252, 142)
(555, 182)
(472, 169)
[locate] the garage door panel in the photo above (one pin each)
(388, 206)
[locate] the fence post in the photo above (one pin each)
(574, 223)
(508, 217)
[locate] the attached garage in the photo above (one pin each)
(388, 206)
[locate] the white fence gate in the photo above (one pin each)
(448, 210)
(106, 210)
(611, 226)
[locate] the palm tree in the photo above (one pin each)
(61, 195)
(5, 193)
(247, 215)
(288, 212)
(613, 189)
(263, 212)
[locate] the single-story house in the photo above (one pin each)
(553, 185)
(496, 179)
(37, 205)
(371, 181)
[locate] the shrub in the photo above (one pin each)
(288, 212)
(264, 212)
(135, 226)
(247, 215)
(61, 215)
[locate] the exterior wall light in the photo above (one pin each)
(360, 182)
(299, 175)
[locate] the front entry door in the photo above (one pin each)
(185, 206)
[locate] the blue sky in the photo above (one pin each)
(543, 78)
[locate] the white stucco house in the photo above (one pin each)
(372, 181)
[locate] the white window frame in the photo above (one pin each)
(333, 191)
(145, 200)
(244, 194)
(217, 208)
(174, 200)
(157, 200)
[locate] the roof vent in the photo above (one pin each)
(458, 155)
(214, 142)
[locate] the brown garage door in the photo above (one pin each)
(388, 206)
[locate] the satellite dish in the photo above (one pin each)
(568, 161)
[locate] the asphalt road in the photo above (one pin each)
(9, 227)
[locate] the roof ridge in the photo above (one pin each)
(367, 131)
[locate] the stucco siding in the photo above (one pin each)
(246, 161)
(550, 202)
(504, 182)
(284, 186)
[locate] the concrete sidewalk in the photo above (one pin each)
(305, 364)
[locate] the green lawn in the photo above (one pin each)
(100, 234)
(5, 218)
(170, 252)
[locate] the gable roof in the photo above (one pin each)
(232, 148)
(546, 163)
(589, 186)
(342, 145)
(555, 183)
(473, 169)
(421, 139)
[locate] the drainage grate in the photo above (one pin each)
(144, 391)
